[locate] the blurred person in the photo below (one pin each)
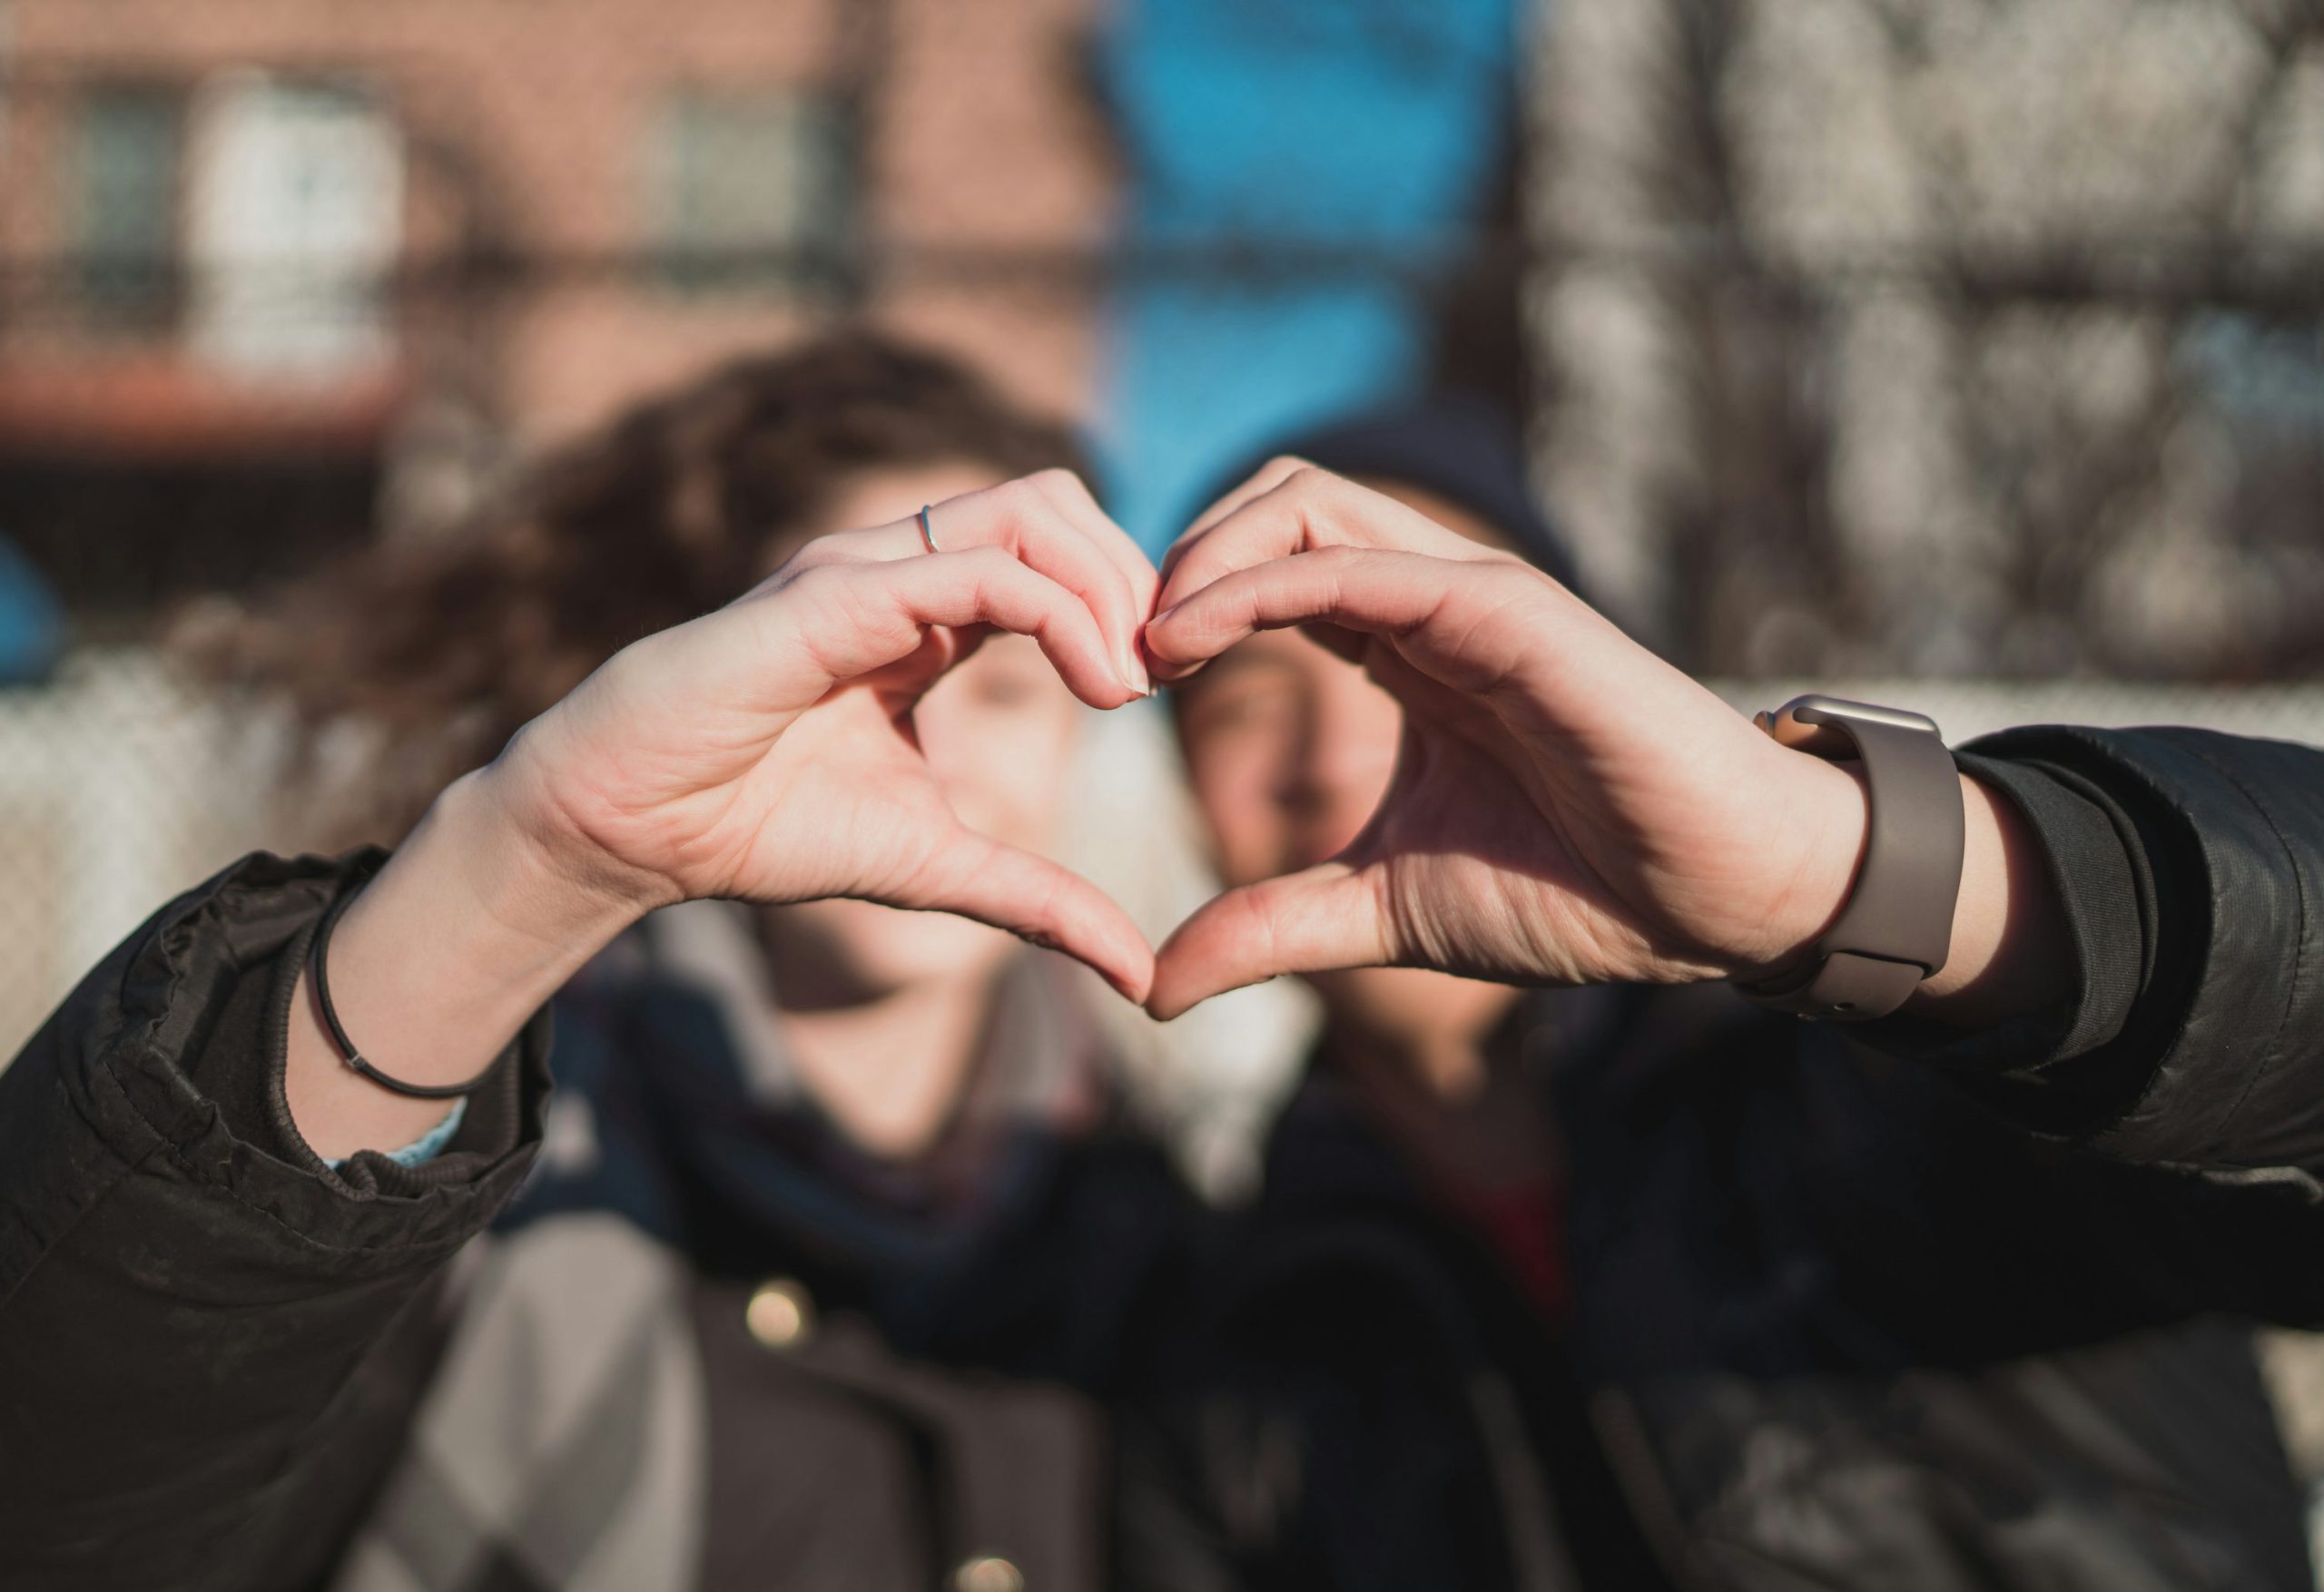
(1628, 1288)
(221, 1291)
(841, 1222)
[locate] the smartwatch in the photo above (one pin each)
(1897, 925)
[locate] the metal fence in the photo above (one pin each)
(119, 788)
(1902, 335)
(1862, 335)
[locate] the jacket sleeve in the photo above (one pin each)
(2192, 868)
(209, 1338)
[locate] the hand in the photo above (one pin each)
(766, 751)
(1567, 809)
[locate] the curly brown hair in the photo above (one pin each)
(441, 648)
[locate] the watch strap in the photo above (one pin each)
(1897, 928)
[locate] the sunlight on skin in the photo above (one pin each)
(764, 752)
(1563, 806)
(1568, 808)
(882, 1009)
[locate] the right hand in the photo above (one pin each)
(1566, 808)
(766, 751)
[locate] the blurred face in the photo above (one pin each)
(1289, 749)
(998, 731)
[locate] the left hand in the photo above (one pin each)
(1567, 808)
(767, 752)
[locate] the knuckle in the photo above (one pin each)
(1518, 579)
(848, 594)
(815, 555)
(1024, 504)
(821, 605)
(1310, 480)
(991, 569)
(975, 507)
(815, 583)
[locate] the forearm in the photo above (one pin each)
(189, 1310)
(2011, 952)
(2187, 863)
(463, 935)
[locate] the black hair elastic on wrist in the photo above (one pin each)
(338, 1032)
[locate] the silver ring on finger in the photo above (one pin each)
(927, 531)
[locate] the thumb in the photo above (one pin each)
(1038, 901)
(1326, 917)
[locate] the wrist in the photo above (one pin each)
(2012, 952)
(1825, 808)
(2009, 952)
(525, 805)
(472, 918)
(528, 892)
(467, 932)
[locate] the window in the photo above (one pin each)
(122, 150)
(749, 189)
(294, 221)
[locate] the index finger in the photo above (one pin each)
(1469, 622)
(1260, 482)
(1072, 496)
(1305, 510)
(1050, 523)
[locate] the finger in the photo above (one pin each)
(1261, 481)
(1327, 917)
(1038, 901)
(1469, 624)
(1308, 511)
(862, 617)
(1038, 521)
(1073, 497)
(1078, 512)
(1305, 510)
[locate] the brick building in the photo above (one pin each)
(273, 269)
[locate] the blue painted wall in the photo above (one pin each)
(32, 625)
(1345, 127)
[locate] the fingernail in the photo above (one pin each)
(1134, 674)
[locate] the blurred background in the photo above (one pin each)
(1977, 344)
(1967, 352)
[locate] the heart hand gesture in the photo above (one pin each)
(1566, 808)
(766, 751)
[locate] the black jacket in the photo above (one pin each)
(962, 1321)
(1952, 1313)
(1828, 1303)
